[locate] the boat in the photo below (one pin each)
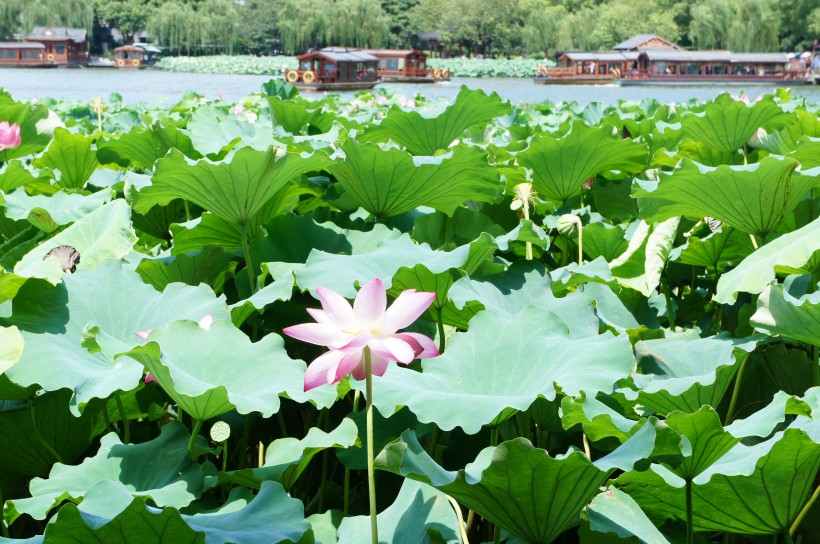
(24, 55)
(335, 69)
(648, 59)
(63, 46)
(129, 57)
(406, 66)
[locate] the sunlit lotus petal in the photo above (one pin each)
(9, 135)
(347, 331)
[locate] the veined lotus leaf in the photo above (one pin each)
(504, 360)
(271, 516)
(707, 440)
(107, 305)
(517, 486)
(683, 372)
(297, 115)
(641, 265)
(141, 147)
(702, 153)
(757, 271)
(18, 173)
(785, 140)
(47, 213)
(209, 266)
(424, 134)
(753, 198)
(41, 431)
(602, 240)
(560, 166)
(11, 347)
(787, 310)
(287, 458)
(160, 470)
(807, 153)
(763, 422)
(234, 190)
(526, 284)
(599, 420)
(34, 136)
(389, 182)
(340, 272)
(727, 124)
(613, 200)
(103, 234)
(280, 289)
(440, 231)
(279, 87)
(210, 372)
(613, 511)
(214, 133)
(756, 489)
(71, 155)
(565, 278)
(206, 230)
(417, 510)
(724, 246)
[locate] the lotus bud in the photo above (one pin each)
(569, 225)
(758, 137)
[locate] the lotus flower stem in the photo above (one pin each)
(371, 476)
(126, 424)
(460, 517)
(816, 359)
(194, 434)
(730, 413)
(690, 528)
(346, 503)
(187, 210)
(754, 240)
(442, 341)
(804, 511)
(248, 263)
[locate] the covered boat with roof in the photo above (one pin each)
(335, 68)
(406, 66)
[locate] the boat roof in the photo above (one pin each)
(394, 52)
(129, 48)
(603, 56)
(678, 55)
(761, 58)
(21, 45)
(340, 54)
(78, 35)
(635, 42)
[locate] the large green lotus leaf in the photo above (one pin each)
(210, 266)
(763, 422)
(214, 132)
(18, 173)
(418, 509)
(640, 267)
(756, 489)
(727, 124)
(71, 155)
(107, 305)
(297, 115)
(699, 152)
(526, 284)
(707, 440)
(757, 271)
(517, 486)
(807, 153)
(103, 234)
(561, 165)
(753, 198)
(599, 420)
(613, 511)
(31, 118)
(502, 361)
(47, 213)
(11, 347)
(602, 240)
(280, 289)
(234, 189)
(287, 458)
(389, 182)
(613, 200)
(787, 310)
(684, 372)
(143, 146)
(722, 247)
(341, 272)
(211, 371)
(269, 517)
(426, 133)
(204, 231)
(160, 469)
(41, 431)
(786, 140)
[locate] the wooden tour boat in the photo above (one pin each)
(406, 66)
(47, 47)
(335, 68)
(648, 59)
(129, 57)
(24, 55)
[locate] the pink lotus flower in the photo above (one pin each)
(9, 135)
(347, 331)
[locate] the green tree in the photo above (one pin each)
(738, 25)
(545, 29)
(616, 22)
(401, 24)
(259, 27)
(175, 25)
(359, 23)
(21, 16)
(128, 16)
(303, 25)
(219, 22)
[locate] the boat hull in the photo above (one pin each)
(706, 81)
(346, 86)
(575, 80)
(409, 79)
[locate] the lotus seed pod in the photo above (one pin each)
(220, 431)
(568, 225)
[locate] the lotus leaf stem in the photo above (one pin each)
(247, 254)
(225, 456)
(371, 476)
(187, 210)
(346, 503)
(126, 424)
(48, 447)
(194, 434)
(690, 525)
(754, 240)
(804, 511)
(580, 243)
(460, 517)
(730, 413)
(442, 342)
(816, 360)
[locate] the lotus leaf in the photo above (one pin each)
(613, 511)
(143, 146)
(788, 311)
(47, 213)
(12, 347)
(71, 155)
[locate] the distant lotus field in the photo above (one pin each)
(398, 320)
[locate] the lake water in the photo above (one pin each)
(156, 85)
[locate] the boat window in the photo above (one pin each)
(304, 65)
(720, 69)
(692, 69)
(371, 70)
(8, 54)
(330, 68)
(30, 54)
(60, 49)
(392, 64)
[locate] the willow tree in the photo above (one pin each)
(739, 25)
(220, 23)
(545, 29)
(304, 25)
(21, 16)
(359, 23)
(177, 26)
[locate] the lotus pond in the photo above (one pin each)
(619, 340)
